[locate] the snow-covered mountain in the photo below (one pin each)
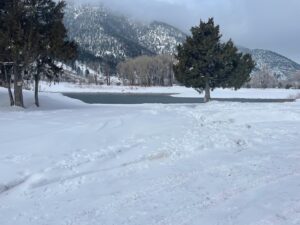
(279, 65)
(104, 34)
(160, 37)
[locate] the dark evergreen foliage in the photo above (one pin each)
(51, 41)
(205, 63)
(34, 38)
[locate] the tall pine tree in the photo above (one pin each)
(205, 63)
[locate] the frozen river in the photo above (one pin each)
(122, 98)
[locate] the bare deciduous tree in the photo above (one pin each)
(263, 79)
(294, 80)
(148, 71)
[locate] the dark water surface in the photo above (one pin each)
(121, 98)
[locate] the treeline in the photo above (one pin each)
(158, 71)
(148, 71)
(266, 79)
(33, 39)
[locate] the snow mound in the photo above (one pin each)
(48, 102)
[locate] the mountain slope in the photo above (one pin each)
(160, 37)
(279, 65)
(104, 33)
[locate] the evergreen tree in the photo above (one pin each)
(5, 52)
(51, 40)
(205, 63)
(33, 36)
(12, 41)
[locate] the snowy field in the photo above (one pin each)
(177, 91)
(69, 163)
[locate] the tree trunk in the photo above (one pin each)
(108, 75)
(11, 97)
(171, 75)
(18, 86)
(108, 80)
(207, 92)
(8, 80)
(36, 91)
(96, 80)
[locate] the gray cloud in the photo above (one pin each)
(267, 24)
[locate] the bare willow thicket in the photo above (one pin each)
(148, 71)
(265, 78)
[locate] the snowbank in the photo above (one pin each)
(47, 101)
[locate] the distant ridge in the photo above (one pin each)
(281, 66)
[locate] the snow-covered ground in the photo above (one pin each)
(69, 163)
(177, 91)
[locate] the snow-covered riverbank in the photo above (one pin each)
(69, 163)
(177, 91)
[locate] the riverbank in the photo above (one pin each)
(176, 91)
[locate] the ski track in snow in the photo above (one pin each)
(214, 164)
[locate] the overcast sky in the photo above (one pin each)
(267, 24)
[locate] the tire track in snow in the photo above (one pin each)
(42, 178)
(7, 188)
